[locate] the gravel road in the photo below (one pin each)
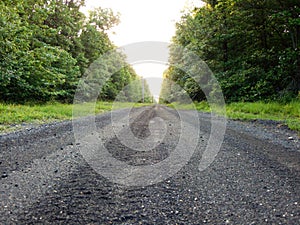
(254, 179)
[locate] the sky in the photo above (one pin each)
(145, 20)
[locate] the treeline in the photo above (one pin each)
(47, 45)
(252, 47)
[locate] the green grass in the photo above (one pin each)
(13, 114)
(288, 114)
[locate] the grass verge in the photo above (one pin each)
(288, 114)
(13, 116)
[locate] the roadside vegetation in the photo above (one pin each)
(47, 46)
(288, 114)
(13, 116)
(252, 47)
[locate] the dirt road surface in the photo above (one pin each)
(254, 179)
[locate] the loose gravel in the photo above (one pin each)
(253, 180)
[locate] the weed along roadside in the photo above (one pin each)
(285, 114)
(16, 117)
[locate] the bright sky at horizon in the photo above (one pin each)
(144, 20)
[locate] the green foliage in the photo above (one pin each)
(252, 46)
(103, 19)
(46, 46)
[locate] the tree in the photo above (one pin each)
(46, 46)
(252, 46)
